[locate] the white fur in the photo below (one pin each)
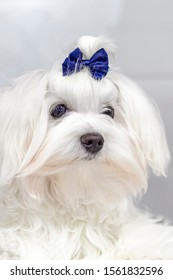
(57, 204)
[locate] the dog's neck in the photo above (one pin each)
(84, 191)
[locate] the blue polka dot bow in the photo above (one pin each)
(97, 64)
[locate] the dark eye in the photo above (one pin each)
(58, 111)
(109, 111)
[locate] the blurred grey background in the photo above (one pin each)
(35, 33)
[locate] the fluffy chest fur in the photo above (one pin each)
(89, 225)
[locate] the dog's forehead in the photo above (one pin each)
(84, 93)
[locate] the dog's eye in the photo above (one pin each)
(58, 111)
(109, 111)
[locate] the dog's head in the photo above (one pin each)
(50, 123)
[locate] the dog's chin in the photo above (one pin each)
(96, 164)
(95, 179)
(57, 165)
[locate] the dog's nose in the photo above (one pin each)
(93, 142)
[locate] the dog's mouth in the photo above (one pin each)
(90, 156)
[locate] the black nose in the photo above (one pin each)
(93, 142)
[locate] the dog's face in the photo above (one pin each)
(81, 117)
(51, 124)
(86, 127)
(84, 121)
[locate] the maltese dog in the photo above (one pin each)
(76, 145)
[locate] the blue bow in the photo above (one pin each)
(98, 63)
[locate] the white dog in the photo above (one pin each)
(75, 147)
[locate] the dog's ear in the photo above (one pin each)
(21, 123)
(143, 117)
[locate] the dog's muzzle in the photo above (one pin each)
(93, 142)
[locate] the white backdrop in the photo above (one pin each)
(35, 33)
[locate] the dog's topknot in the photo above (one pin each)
(89, 45)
